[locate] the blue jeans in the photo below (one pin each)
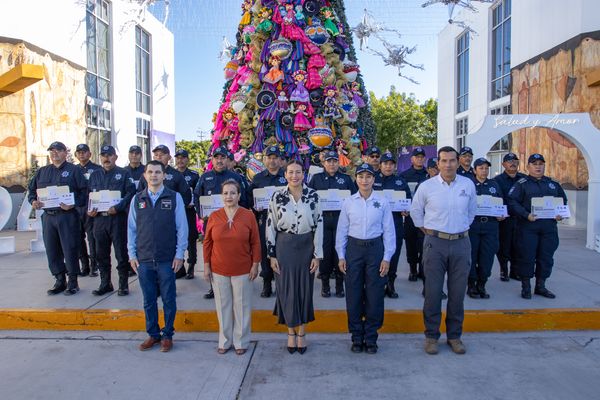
(154, 275)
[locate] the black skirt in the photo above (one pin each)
(294, 284)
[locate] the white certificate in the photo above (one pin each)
(490, 206)
(397, 200)
(103, 200)
(332, 199)
(549, 207)
(263, 196)
(312, 171)
(52, 196)
(210, 204)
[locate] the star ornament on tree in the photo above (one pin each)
(396, 57)
(368, 26)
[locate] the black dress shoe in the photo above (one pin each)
(181, 272)
(504, 276)
(326, 292)
(94, 273)
(84, 272)
(102, 290)
(526, 293)
(71, 290)
(339, 293)
(371, 349)
(412, 277)
(190, 275)
(209, 295)
(267, 290)
(390, 292)
(514, 275)
(59, 287)
(542, 291)
(123, 292)
(357, 347)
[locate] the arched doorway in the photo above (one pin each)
(577, 127)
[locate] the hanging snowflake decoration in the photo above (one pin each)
(369, 26)
(396, 57)
(451, 4)
(226, 50)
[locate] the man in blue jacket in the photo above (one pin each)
(157, 235)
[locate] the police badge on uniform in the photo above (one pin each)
(118, 177)
(168, 177)
(377, 204)
(340, 181)
(282, 180)
(188, 178)
(65, 174)
(492, 190)
(398, 182)
(552, 185)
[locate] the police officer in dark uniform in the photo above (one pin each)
(413, 236)
(61, 225)
(537, 238)
(331, 178)
(273, 175)
(483, 234)
(89, 264)
(182, 159)
(508, 234)
(110, 227)
(391, 181)
(465, 158)
(135, 166)
(245, 183)
(373, 158)
(210, 184)
(173, 178)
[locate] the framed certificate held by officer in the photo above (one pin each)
(490, 206)
(397, 200)
(549, 207)
(262, 197)
(210, 204)
(53, 196)
(102, 200)
(332, 199)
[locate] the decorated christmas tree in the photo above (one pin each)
(293, 81)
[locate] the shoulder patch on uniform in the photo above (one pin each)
(522, 180)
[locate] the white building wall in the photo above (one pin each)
(536, 26)
(59, 27)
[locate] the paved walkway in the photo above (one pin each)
(86, 365)
(24, 279)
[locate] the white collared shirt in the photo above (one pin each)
(366, 219)
(444, 207)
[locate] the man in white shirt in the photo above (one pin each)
(443, 208)
(365, 243)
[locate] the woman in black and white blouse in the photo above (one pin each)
(295, 247)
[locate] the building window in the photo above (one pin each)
(142, 70)
(462, 127)
(98, 76)
(504, 144)
(462, 73)
(507, 109)
(501, 49)
(143, 128)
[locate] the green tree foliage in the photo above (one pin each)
(198, 151)
(401, 121)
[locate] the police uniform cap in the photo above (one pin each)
(387, 156)
(162, 148)
(107, 150)
(481, 161)
(331, 155)
(57, 146)
(465, 150)
(432, 163)
(418, 151)
(510, 157)
(373, 150)
(135, 149)
(364, 167)
(273, 151)
(535, 157)
(82, 147)
(220, 151)
(182, 153)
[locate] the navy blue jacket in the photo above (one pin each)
(66, 174)
(324, 181)
(156, 230)
(467, 174)
(520, 195)
(210, 183)
(506, 182)
(116, 179)
(137, 172)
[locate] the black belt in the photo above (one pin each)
(103, 214)
(58, 212)
(364, 242)
(447, 236)
(331, 213)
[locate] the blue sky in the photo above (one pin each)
(199, 26)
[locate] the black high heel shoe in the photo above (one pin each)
(292, 350)
(302, 350)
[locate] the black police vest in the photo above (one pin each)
(156, 230)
